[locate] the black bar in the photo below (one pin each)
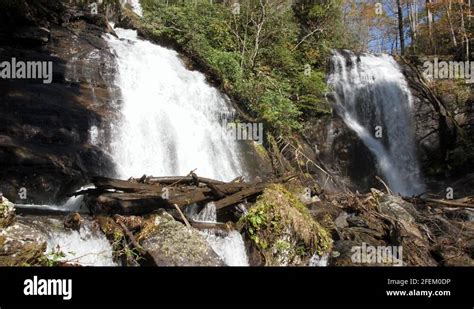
(186, 285)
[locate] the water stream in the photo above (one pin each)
(169, 115)
(373, 98)
(229, 245)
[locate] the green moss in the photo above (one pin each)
(7, 213)
(261, 151)
(282, 245)
(28, 254)
(282, 228)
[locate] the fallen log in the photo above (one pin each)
(240, 196)
(125, 203)
(216, 191)
(113, 196)
(200, 225)
(181, 180)
(123, 185)
(183, 217)
(446, 203)
(103, 184)
(141, 203)
(195, 196)
(248, 191)
(129, 235)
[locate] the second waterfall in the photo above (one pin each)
(372, 95)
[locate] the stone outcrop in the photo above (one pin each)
(22, 245)
(45, 144)
(7, 212)
(428, 236)
(444, 119)
(281, 230)
(171, 243)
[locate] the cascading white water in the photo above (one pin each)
(318, 261)
(171, 124)
(230, 246)
(371, 92)
(170, 115)
(135, 4)
(87, 247)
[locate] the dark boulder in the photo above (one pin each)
(45, 143)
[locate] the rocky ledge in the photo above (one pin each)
(45, 142)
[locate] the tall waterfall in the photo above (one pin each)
(171, 124)
(372, 96)
(170, 117)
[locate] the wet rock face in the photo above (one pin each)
(170, 243)
(426, 119)
(407, 232)
(45, 140)
(444, 147)
(341, 150)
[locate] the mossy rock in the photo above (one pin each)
(114, 234)
(282, 229)
(129, 19)
(7, 213)
(22, 245)
(170, 243)
(261, 151)
(111, 229)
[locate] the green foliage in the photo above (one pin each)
(282, 228)
(53, 258)
(226, 64)
(278, 110)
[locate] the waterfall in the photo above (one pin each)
(372, 94)
(136, 7)
(171, 123)
(229, 245)
(169, 115)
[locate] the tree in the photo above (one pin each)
(401, 33)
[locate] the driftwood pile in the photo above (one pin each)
(146, 194)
